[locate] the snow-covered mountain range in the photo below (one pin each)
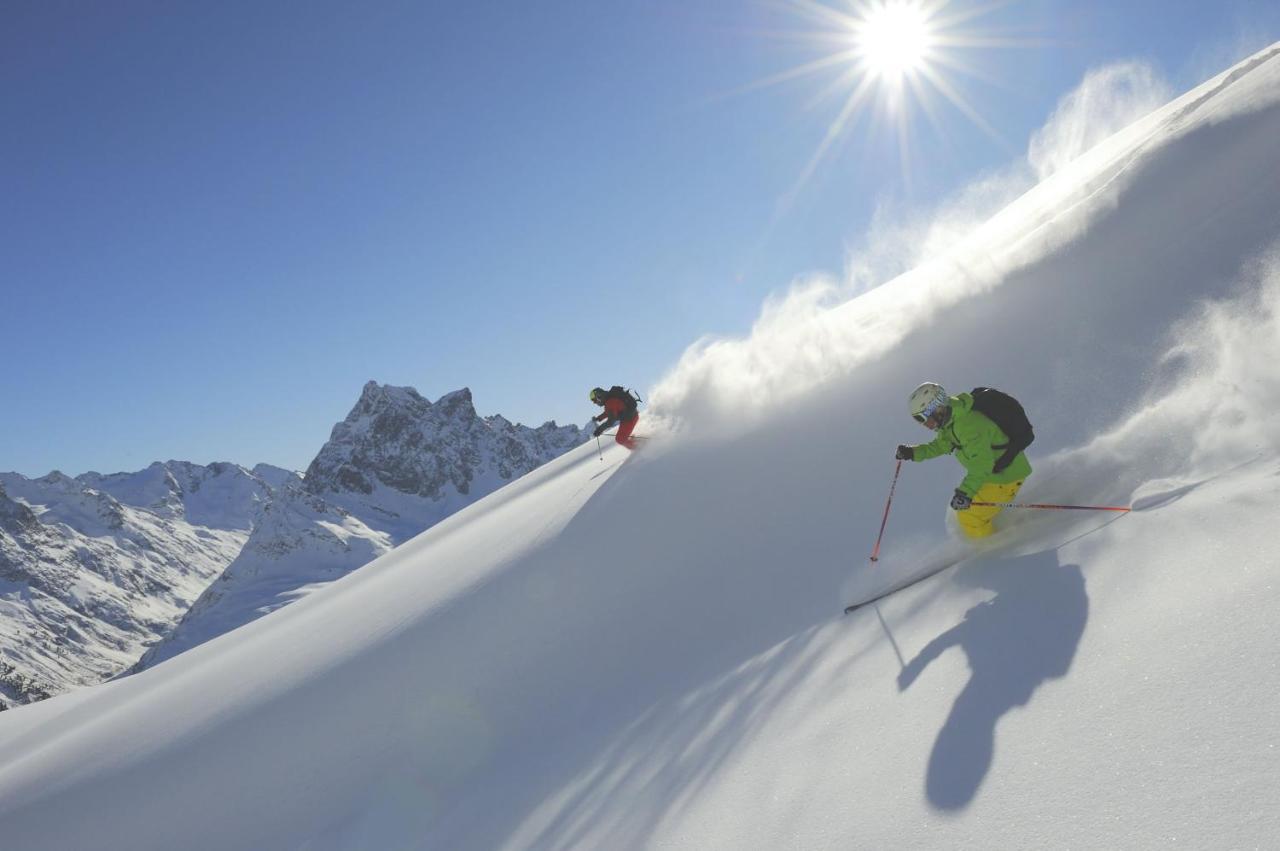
(395, 466)
(95, 568)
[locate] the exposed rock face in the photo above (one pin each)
(395, 466)
(95, 568)
(396, 438)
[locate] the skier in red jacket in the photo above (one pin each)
(620, 406)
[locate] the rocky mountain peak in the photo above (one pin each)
(59, 480)
(276, 477)
(376, 399)
(457, 404)
(396, 438)
(396, 465)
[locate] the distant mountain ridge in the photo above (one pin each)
(396, 465)
(94, 568)
(97, 568)
(395, 437)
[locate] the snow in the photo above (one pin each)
(395, 466)
(98, 567)
(647, 650)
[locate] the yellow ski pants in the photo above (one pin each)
(975, 522)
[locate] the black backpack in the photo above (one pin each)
(1005, 411)
(631, 400)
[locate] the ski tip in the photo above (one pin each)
(854, 607)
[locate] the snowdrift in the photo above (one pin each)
(651, 653)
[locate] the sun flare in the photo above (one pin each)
(889, 64)
(893, 39)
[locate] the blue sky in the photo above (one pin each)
(218, 220)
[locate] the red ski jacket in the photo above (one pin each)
(614, 409)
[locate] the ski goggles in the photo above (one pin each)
(931, 416)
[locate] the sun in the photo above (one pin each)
(893, 39)
(889, 64)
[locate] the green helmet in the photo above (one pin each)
(598, 395)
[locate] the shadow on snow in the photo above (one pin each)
(1024, 636)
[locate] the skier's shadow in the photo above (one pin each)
(1022, 637)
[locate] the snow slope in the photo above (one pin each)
(650, 654)
(395, 466)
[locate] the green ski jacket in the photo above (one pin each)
(977, 443)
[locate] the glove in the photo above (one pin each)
(961, 500)
(905, 453)
(599, 430)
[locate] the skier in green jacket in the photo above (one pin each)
(978, 444)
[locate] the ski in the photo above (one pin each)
(853, 607)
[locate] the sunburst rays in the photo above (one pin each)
(889, 62)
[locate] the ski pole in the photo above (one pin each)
(599, 449)
(875, 553)
(633, 437)
(1055, 507)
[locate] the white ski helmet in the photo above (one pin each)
(926, 399)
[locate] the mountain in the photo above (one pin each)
(395, 445)
(395, 466)
(94, 568)
(648, 651)
(100, 567)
